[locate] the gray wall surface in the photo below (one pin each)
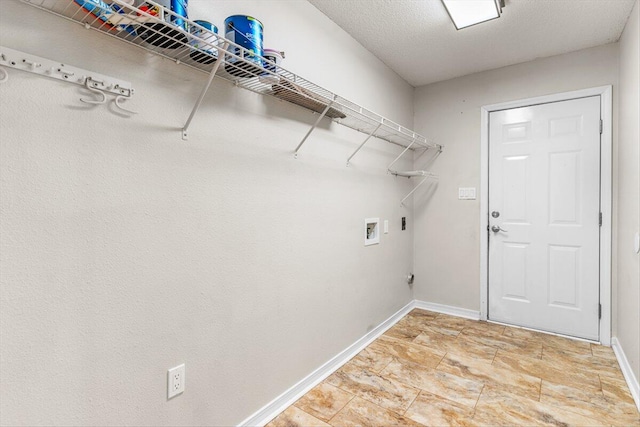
(126, 251)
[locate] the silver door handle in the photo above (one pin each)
(496, 228)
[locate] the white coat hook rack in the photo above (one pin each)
(99, 84)
(411, 174)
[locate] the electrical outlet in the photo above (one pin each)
(175, 384)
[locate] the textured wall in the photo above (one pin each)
(126, 251)
(447, 247)
(628, 331)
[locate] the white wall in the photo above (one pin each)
(447, 247)
(628, 313)
(126, 251)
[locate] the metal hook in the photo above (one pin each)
(5, 75)
(96, 91)
(118, 101)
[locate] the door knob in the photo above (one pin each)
(496, 228)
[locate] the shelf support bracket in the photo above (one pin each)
(401, 154)
(409, 174)
(364, 142)
(212, 74)
(415, 188)
(324, 112)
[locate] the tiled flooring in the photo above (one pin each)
(437, 370)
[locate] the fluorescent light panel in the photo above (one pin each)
(465, 13)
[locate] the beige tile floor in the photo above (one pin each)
(432, 369)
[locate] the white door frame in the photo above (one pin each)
(605, 93)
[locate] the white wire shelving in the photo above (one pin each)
(160, 31)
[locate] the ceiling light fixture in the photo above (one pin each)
(465, 13)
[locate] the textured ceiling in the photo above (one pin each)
(418, 41)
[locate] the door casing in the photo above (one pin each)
(606, 142)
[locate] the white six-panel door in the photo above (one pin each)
(544, 205)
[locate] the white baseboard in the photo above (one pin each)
(286, 399)
(290, 396)
(631, 379)
(447, 309)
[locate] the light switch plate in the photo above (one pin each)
(386, 226)
(466, 193)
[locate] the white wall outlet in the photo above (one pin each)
(467, 193)
(175, 383)
(386, 226)
(371, 231)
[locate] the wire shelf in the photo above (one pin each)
(163, 32)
